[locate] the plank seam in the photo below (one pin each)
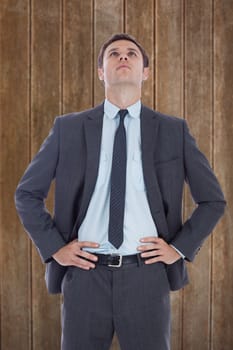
(30, 311)
(212, 145)
(155, 56)
(183, 110)
(1, 194)
(61, 108)
(156, 60)
(124, 15)
(93, 53)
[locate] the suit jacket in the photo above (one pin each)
(70, 155)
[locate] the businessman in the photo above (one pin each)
(116, 244)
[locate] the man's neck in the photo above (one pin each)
(123, 97)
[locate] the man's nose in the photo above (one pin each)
(123, 57)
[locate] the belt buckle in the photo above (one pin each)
(119, 263)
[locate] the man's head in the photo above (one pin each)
(122, 61)
(117, 37)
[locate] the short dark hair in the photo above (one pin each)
(122, 36)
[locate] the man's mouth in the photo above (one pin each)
(123, 66)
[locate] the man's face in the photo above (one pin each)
(122, 64)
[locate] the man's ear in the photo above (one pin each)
(146, 72)
(101, 73)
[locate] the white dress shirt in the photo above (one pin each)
(138, 221)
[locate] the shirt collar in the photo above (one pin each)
(111, 110)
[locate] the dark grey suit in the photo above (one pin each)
(71, 154)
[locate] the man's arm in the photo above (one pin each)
(210, 201)
(206, 193)
(31, 194)
(30, 203)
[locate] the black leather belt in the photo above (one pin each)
(115, 260)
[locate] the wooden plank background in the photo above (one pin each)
(48, 54)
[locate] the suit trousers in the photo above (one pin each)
(132, 300)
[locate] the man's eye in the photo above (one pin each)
(114, 53)
(132, 53)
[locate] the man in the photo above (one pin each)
(116, 245)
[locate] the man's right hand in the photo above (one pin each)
(73, 255)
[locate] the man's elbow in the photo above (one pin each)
(219, 206)
(18, 198)
(22, 199)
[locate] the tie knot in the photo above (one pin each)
(123, 113)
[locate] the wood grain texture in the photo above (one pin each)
(169, 99)
(78, 63)
(15, 249)
(45, 92)
(139, 22)
(222, 292)
(48, 61)
(108, 20)
(198, 112)
(169, 56)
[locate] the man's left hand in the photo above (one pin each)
(157, 250)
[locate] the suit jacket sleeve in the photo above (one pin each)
(31, 194)
(207, 195)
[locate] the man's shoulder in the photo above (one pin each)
(80, 115)
(163, 118)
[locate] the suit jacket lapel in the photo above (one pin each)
(93, 133)
(149, 132)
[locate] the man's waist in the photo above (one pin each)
(107, 250)
(117, 260)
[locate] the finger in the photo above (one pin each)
(87, 255)
(149, 239)
(77, 261)
(151, 253)
(86, 244)
(147, 247)
(154, 260)
(82, 266)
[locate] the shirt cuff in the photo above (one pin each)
(179, 252)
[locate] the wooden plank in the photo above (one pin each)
(169, 99)
(169, 57)
(78, 55)
(140, 14)
(46, 93)
(198, 112)
(222, 306)
(14, 110)
(108, 20)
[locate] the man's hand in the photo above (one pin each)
(156, 249)
(73, 255)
